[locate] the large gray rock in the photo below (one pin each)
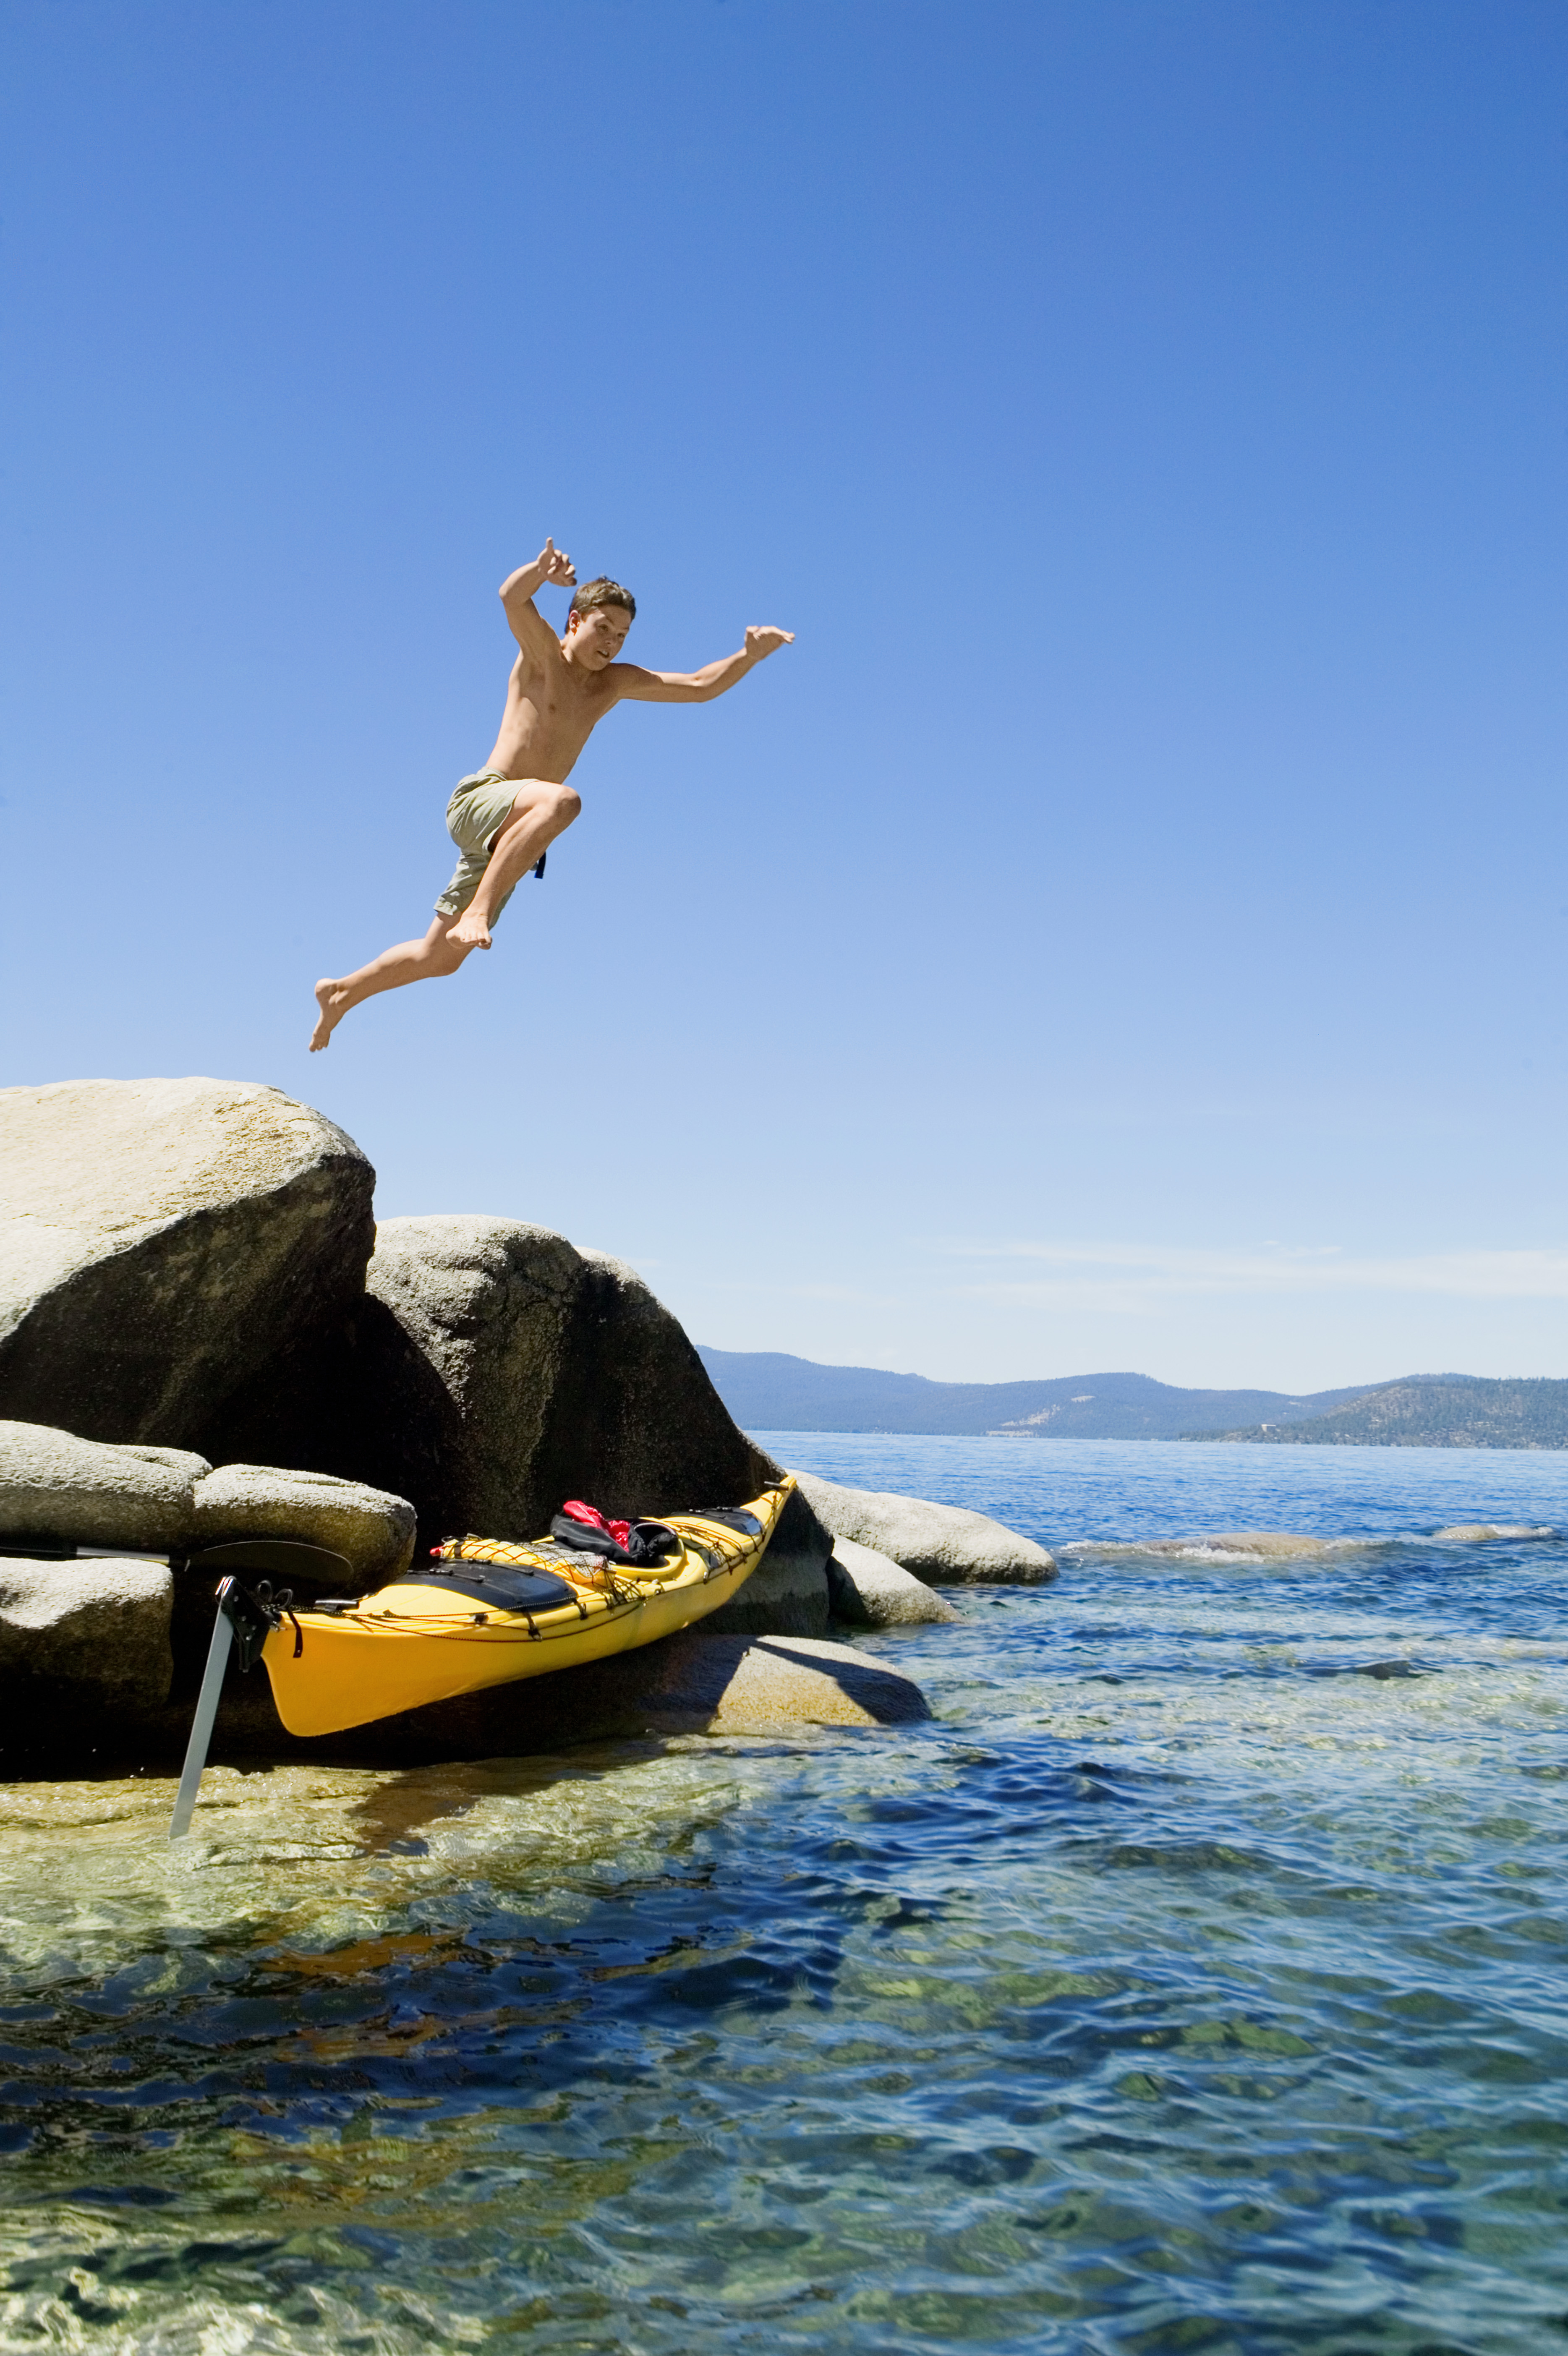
(162, 1241)
(787, 1594)
(493, 1370)
(371, 1528)
(943, 1545)
(54, 1485)
(81, 1644)
(871, 1590)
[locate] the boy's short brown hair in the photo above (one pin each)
(601, 591)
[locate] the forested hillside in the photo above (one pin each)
(767, 1390)
(1456, 1411)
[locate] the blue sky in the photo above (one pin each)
(1125, 930)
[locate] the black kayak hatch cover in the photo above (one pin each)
(497, 1584)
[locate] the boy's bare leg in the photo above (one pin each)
(438, 953)
(540, 812)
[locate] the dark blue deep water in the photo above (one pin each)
(1180, 1987)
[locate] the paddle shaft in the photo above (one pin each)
(202, 1725)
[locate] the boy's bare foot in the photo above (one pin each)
(470, 929)
(332, 997)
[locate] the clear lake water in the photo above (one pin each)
(1180, 1987)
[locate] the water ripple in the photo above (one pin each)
(1177, 1988)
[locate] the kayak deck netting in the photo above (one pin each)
(417, 1641)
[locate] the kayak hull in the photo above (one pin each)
(413, 1642)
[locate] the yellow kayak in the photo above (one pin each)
(490, 1612)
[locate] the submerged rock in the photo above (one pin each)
(1248, 1549)
(871, 1590)
(86, 1492)
(1267, 1546)
(163, 1240)
(943, 1545)
(370, 1528)
(1479, 1533)
(84, 1650)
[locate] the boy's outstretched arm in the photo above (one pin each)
(529, 627)
(698, 686)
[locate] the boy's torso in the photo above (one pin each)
(550, 712)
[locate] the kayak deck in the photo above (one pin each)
(493, 1612)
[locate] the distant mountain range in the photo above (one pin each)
(765, 1390)
(1430, 1411)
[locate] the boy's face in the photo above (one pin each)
(597, 637)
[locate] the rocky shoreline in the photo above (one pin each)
(205, 1340)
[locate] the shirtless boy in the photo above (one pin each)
(505, 816)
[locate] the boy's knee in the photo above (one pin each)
(565, 803)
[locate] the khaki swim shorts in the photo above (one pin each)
(479, 807)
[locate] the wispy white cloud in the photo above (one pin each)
(764, 1288)
(1123, 1277)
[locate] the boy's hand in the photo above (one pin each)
(760, 641)
(555, 567)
